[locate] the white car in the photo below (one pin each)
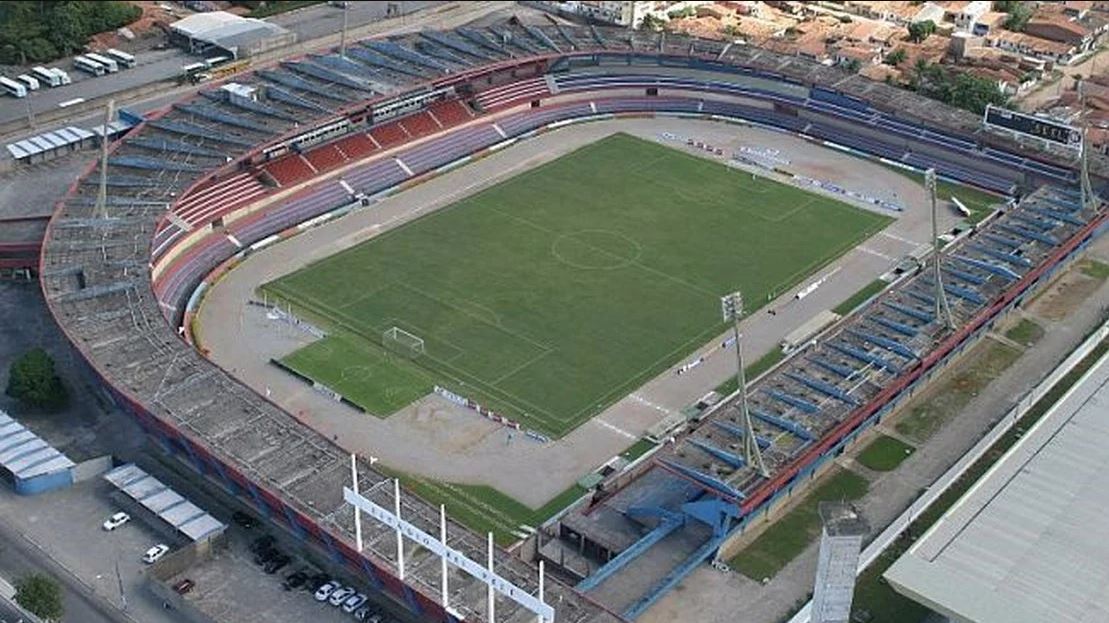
(325, 591)
(154, 554)
(341, 595)
(354, 602)
(116, 521)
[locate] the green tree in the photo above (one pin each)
(650, 22)
(32, 381)
(33, 31)
(1019, 13)
(896, 57)
(852, 65)
(40, 595)
(919, 31)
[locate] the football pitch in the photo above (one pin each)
(557, 292)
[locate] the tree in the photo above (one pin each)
(32, 381)
(1019, 13)
(852, 65)
(650, 22)
(896, 57)
(919, 31)
(40, 595)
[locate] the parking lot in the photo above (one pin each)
(232, 588)
(66, 525)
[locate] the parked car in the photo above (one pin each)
(263, 543)
(154, 554)
(340, 595)
(263, 557)
(354, 602)
(362, 613)
(244, 520)
(324, 592)
(116, 521)
(295, 579)
(276, 564)
(184, 586)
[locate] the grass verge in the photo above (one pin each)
(1026, 332)
(856, 299)
(884, 454)
(928, 411)
(485, 509)
(1096, 269)
(790, 534)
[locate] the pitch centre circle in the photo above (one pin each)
(596, 249)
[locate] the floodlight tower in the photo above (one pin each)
(101, 207)
(943, 309)
(1089, 200)
(343, 32)
(731, 306)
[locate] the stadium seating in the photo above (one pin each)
(420, 124)
(451, 113)
(215, 199)
(289, 170)
(389, 135)
(512, 93)
(430, 155)
(325, 157)
(356, 146)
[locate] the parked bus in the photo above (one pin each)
(63, 77)
(32, 84)
(109, 63)
(86, 64)
(15, 89)
(121, 57)
(47, 76)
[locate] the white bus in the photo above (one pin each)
(109, 63)
(62, 76)
(86, 64)
(123, 58)
(47, 76)
(32, 84)
(13, 88)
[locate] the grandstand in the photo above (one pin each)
(122, 282)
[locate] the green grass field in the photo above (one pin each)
(884, 454)
(555, 293)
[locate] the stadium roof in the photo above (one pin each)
(1029, 543)
(25, 454)
(227, 30)
(172, 507)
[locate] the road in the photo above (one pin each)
(310, 24)
(19, 557)
(1036, 99)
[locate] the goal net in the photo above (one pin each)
(402, 342)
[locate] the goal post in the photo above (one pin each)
(402, 342)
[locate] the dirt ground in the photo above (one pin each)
(464, 447)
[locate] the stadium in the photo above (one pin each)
(230, 171)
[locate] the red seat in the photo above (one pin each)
(451, 113)
(420, 124)
(325, 157)
(356, 146)
(289, 170)
(389, 134)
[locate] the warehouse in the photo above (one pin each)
(220, 33)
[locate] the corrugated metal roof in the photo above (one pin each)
(48, 141)
(170, 506)
(25, 454)
(1030, 542)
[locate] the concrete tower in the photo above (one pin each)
(840, 543)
